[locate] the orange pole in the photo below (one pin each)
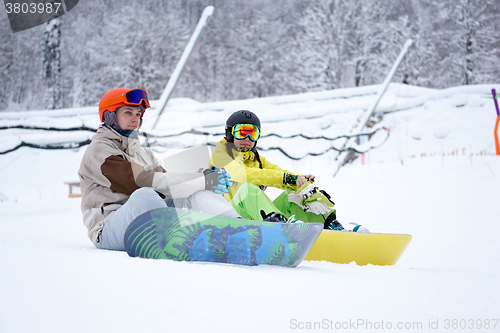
(497, 143)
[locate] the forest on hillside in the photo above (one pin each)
(252, 48)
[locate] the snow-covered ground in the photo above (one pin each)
(436, 178)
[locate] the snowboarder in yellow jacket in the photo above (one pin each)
(251, 173)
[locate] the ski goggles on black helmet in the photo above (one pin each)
(241, 131)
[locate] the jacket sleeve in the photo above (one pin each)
(270, 175)
(178, 185)
(126, 177)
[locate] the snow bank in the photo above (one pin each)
(435, 178)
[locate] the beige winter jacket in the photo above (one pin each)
(113, 167)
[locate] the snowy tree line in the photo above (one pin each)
(252, 48)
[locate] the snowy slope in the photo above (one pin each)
(436, 178)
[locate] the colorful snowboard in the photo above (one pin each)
(362, 248)
(179, 234)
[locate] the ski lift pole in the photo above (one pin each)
(494, 92)
(184, 60)
(368, 114)
(497, 141)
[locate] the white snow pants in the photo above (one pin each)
(145, 199)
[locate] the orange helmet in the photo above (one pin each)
(122, 96)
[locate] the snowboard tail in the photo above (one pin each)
(183, 235)
(362, 248)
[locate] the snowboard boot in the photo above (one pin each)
(331, 223)
(273, 217)
(354, 227)
(292, 219)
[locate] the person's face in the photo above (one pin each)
(129, 117)
(245, 143)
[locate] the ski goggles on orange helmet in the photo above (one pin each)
(241, 131)
(133, 97)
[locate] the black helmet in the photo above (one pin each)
(240, 117)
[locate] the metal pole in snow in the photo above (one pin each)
(497, 141)
(494, 92)
(366, 117)
(184, 60)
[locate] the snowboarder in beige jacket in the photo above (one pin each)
(121, 180)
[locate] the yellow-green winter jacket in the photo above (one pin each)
(244, 167)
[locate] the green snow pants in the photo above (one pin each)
(250, 200)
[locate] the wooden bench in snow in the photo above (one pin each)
(72, 185)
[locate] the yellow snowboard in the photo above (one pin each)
(363, 248)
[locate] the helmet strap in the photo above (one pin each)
(229, 135)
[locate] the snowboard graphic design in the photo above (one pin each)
(184, 235)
